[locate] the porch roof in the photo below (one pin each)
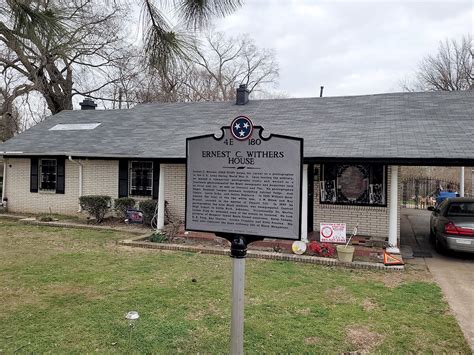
(429, 128)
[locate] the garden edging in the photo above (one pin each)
(262, 255)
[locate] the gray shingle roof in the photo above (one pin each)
(432, 125)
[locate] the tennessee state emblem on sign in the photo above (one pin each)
(241, 128)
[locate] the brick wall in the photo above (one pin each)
(175, 189)
(373, 221)
(100, 177)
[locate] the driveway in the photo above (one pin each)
(453, 273)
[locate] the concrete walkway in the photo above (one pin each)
(453, 273)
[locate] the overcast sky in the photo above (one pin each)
(350, 47)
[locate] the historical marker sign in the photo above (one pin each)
(243, 183)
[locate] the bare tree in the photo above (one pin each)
(214, 67)
(222, 63)
(61, 49)
(10, 89)
(451, 69)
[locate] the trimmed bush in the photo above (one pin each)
(96, 205)
(148, 208)
(122, 204)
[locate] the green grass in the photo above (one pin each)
(65, 290)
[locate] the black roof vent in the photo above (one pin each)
(242, 97)
(88, 104)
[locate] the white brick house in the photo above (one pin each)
(353, 147)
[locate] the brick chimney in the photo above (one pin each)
(88, 104)
(242, 97)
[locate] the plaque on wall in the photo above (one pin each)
(244, 183)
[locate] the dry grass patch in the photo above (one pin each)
(312, 340)
(362, 339)
(12, 298)
(62, 290)
(304, 311)
(340, 295)
(210, 310)
(368, 304)
(394, 279)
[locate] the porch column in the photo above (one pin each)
(160, 219)
(393, 212)
(304, 205)
(461, 182)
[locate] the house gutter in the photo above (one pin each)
(80, 178)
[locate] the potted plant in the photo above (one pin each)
(345, 253)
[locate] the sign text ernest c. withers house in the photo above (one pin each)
(243, 183)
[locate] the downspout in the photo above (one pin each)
(80, 179)
(4, 184)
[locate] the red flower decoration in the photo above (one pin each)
(321, 249)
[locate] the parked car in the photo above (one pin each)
(452, 225)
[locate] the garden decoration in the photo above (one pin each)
(325, 250)
(298, 247)
(132, 318)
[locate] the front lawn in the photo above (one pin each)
(65, 290)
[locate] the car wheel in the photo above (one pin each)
(432, 235)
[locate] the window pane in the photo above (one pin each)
(361, 184)
(328, 183)
(141, 177)
(461, 209)
(352, 184)
(48, 174)
(377, 181)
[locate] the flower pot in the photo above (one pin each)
(344, 253)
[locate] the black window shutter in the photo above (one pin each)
(156, 179)
(123, 178)
(60, 175)
(34, 175)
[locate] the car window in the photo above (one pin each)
(461, 209)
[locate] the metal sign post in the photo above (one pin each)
(238, 252)
(243, 187)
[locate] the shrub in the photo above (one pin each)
(321, 249)
(45, 218)
(122, 204)
(96, 205)
(148, 208)
(158, 237)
